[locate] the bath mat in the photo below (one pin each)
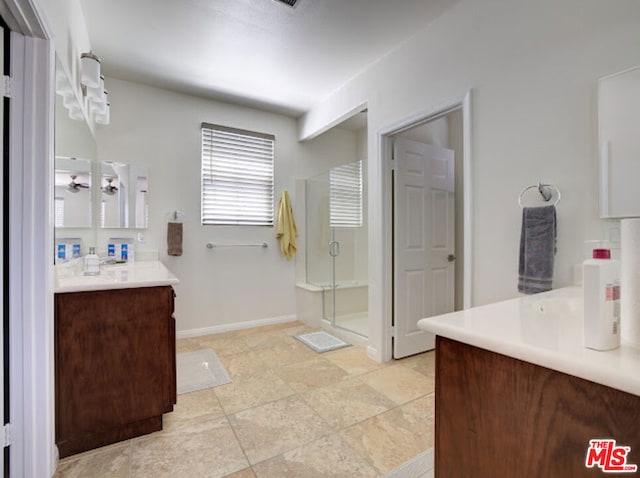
(199, 370)
(321, 341)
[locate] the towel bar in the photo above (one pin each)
(546, 195)
(211, 245)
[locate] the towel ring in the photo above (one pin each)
(546, 196)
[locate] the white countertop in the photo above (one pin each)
(543, 329)
(70, 277)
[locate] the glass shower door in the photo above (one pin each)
(337, 245)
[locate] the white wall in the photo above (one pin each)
(161, 130)
(533, 68)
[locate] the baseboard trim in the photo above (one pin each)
(373, 354)
(219, 329)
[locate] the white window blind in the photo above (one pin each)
(237, 176)
(59, 211)
(345, 195)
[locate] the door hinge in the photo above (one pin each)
(7, 86)
(6, 431)
(393, 331)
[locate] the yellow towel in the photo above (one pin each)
(286, 231)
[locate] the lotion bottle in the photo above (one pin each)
(91, 263)
(601, 282)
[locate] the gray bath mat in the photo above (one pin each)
(199, 370)
(321, 341)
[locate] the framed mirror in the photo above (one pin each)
(123, 195)
(619, 142)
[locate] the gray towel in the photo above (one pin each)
(537, 249)
(174, 239)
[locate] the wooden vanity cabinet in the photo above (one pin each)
(498, 416)
(115, 365)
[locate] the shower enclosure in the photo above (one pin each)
(336, 244)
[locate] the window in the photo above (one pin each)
(59, 211)
(345, 195)
(237, 176)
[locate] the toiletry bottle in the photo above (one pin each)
(601, 279)
(91, 263)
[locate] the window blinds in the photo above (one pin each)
(345, 195)
(237, 176)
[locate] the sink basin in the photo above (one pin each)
(559, 306)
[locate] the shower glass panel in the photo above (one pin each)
(336, 244)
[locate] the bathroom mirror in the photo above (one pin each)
(75, 151)
(619, 143)
(123, 195)
(72, 192)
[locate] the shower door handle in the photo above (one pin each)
(334, 248)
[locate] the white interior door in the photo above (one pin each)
(424, 241)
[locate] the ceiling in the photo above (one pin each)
(260, 53)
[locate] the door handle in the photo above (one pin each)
(451, 257)
(334, 248)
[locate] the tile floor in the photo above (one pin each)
(288, 412)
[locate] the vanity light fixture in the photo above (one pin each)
(90, 70)
(105, 117)
(98, 105)
(95, 94)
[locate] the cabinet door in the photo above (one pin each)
(497, 416)
(115, 359)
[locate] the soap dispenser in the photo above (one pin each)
(91, 263)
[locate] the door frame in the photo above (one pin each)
(31, 376)
(385, 148)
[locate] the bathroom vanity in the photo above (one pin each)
(115, 362)
(517, 394)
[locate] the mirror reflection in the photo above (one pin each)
(123, 195)
(72, 196)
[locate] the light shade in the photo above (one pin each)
(95, 94)
(75, 112)
(98, 106)
(105, 117)
(90, 68)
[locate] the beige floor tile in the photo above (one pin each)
(388, 440)
(266, 328)
(299, 329)
(252, 391)
(267, 340)
(348, 402)
(327, 457)
(286, 354)
(110, 462)
(311, 374)
(204, 448)
(419, 415)
(193, 405)
(187, 345)
(353, 360)
(223, 345)
(276, 427)
(243, 365)
(424, 363)
(399, 383)
(246, 473)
